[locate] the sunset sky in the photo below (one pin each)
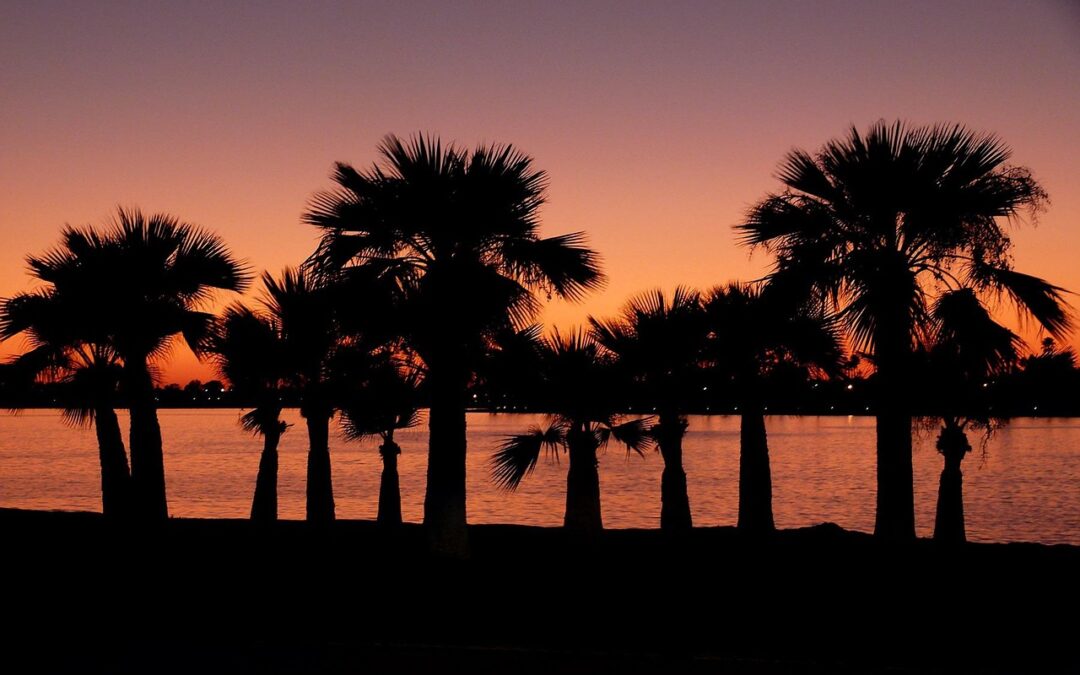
(658, 123)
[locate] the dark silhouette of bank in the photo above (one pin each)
(270, 598)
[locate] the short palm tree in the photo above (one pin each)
(386, 401)
(967, 347)
(658, 341)
(248, 349)
(302, 307)
(89, 372)
(456, 233)
(876, 225)
(577, 383)
(755, 332)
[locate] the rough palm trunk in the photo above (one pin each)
(147, 459)
(582, 485)
(895, 519)
(674, 501)
(444, 502)
(949, 524)
(115, 476)
(389, 487)
(264, 505)
(320, 486)
(755, 473)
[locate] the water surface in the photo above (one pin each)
(1024, 487)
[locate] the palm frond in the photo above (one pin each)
(635, 434)
(1032, 296)
(517, 455)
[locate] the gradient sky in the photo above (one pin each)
(659, 123)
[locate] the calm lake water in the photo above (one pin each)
(1025, 487)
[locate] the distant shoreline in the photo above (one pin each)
(785, 412)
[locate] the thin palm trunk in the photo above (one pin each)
(389, 487)
(674, 501)
(320, 486)
(264, 505)
(755, 473)
(115, 476)
(582, 485)
(444, 503)
(949, 524)
(147, 458)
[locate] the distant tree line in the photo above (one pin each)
(889, 250)
(1043, 384)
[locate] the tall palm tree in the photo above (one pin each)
(578, 393)
(876, 225)
(456, 233)
(754, 334)
(388, 400)
(139, 283)
(302, 307)
(249, 351)
(967, 347)
(659, 342)
(89, 373)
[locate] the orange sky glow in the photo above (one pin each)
(659, 124)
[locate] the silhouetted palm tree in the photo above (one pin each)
(577, 380)
(138, 284)
(658, 342)
(456, 234)
(753, 334)
(249, 351)
(967, 347)
(388, 400)
(875, 224)
(90, 374)
(303, 308)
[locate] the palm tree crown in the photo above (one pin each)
(883, 222)
(458, 230)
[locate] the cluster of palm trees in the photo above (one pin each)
(428, 277)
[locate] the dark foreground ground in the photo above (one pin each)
(226, 597)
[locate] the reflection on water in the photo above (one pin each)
(1023, 488)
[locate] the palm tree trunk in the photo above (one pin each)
(582, 485)
(949, 524)
(264, 506)
(444, 502)
(755, 473)
(320, 486)
(389, 488)
(147, 458)
(674, 501)
(895, 519)
(115, 476)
